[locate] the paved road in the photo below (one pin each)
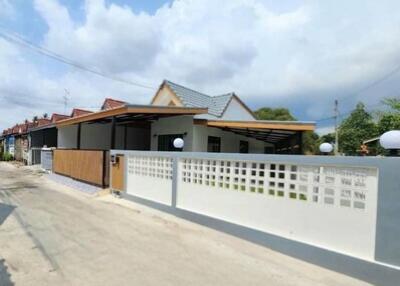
(52, 235)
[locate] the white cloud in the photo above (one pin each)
(325, 130)
(6, 9)
(305, 54)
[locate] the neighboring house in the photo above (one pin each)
(76, 112)
(9, 141)
(43, 134)
(110, 103)
(21, 141)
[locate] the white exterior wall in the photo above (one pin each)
(196, 139)
(229, 141)
(67, 136)
(236, 111)
(173, 125)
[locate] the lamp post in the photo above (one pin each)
(391, 141)
(325, 148)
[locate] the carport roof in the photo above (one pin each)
(267, 131)
(136, 112)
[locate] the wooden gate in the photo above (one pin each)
(89, 166)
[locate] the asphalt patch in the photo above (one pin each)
(5, 276)
(5, 211)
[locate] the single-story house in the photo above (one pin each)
(9, 141)
(22, 141)
(43, 134)
(221, 123)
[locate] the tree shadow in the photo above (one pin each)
(5, 277)
(5, 211)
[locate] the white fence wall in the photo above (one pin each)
(330, 207)
(150, 178)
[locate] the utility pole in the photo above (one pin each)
(336, 146)
(65, 98)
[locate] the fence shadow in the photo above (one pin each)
(5, 277)
(5, 211)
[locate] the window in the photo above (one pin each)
(243, 146)
(214, 144)
(166, 142)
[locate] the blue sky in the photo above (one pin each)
(296, 54)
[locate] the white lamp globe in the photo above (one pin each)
(178, 143)
(325, 148)
(390, 139)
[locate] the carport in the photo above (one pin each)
(84, 142)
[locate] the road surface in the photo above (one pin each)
(53, 235)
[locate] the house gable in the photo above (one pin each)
(57, 117)
(110, 103)
(237, 110)
(165, 96)
(226, 106)
(79, 112)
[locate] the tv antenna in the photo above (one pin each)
(66, 98)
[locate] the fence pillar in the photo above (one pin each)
(175, 166)
(78, 137)
(113, 122)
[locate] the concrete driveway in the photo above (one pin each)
(53, 235)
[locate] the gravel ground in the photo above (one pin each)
(53, 235)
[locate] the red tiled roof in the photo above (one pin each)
(110, 103)
(78, 112)
(57, 117)
(43, 122)
(15, 129)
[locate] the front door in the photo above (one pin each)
(118, 173)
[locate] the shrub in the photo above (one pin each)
(7, 157)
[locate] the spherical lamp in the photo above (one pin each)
(178, 143)
(391, 141)
(325, 148)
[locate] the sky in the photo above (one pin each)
(301, 55)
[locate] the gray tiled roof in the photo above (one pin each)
(216, 104)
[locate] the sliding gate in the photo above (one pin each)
(90, 166)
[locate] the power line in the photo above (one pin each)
(341, 115)
(18, 40)
(375, 82)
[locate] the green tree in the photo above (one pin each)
(267, 113)
(310, 139)
(357, 127)
(389, 119)
(328, 138)
(310, 142)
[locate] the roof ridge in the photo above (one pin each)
(168, 81)
(109, 98)
(81, 109)
(225, 94)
